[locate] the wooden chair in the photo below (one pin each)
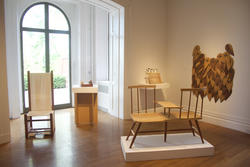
(41, 103)
(185, 111)
(144, 117)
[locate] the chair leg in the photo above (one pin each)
(54, 123)
(132, 127)
(26, 126)
(133, 140)
(198, 127)
(165, 131)
(51, 125)
(31, 125)
(191, 126)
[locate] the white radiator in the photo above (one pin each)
(105, 96)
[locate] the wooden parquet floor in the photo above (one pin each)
(100, 146)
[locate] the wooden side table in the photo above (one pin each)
(86, 112)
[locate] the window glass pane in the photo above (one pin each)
(34, 17)
(59, 63)
(33, 56)
(34, 51)
(57, 20)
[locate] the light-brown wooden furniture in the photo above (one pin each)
(86, 112)
(144, 116)
(153, 78)
(187, 111)
(41, 103)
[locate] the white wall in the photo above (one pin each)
(145, 42)
(85, 44)
(101, 45)
(163, 34)
(211, 24)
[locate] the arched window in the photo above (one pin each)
(45, 46)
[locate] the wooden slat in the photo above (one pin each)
(201, 105)
(189, 103)
(180, 129)
(146, 99)
(154, 100)
(40, 129)
(150, 131)
(138, 108)
(196, 105)
(131, 100)
(193, 89)
(35, 120)
(181, 104)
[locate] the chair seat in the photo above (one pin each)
(168, 104)
(148, 117)
(184, 115)
(40, 113)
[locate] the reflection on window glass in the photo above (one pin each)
(57, 20)
(34, 17)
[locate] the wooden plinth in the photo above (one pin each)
(153, 147)
(85, 108)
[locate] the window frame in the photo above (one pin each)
(46, 32)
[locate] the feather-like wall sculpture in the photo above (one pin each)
(216, 74)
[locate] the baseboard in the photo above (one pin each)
(102, 109)
(4, 138)
(227, 122)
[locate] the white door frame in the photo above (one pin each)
(116, 53)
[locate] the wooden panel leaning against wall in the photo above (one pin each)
(4, 110)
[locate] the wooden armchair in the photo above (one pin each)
(185, 111)
(41, 103)
(141, 116)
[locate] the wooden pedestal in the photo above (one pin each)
(86, 108)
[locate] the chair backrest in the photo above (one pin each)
(40, 88)
(198, 93)
(137, 88)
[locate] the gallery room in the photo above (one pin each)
(124, 83)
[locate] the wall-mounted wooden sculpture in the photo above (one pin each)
(216, 74)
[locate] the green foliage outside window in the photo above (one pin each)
(59, 82)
